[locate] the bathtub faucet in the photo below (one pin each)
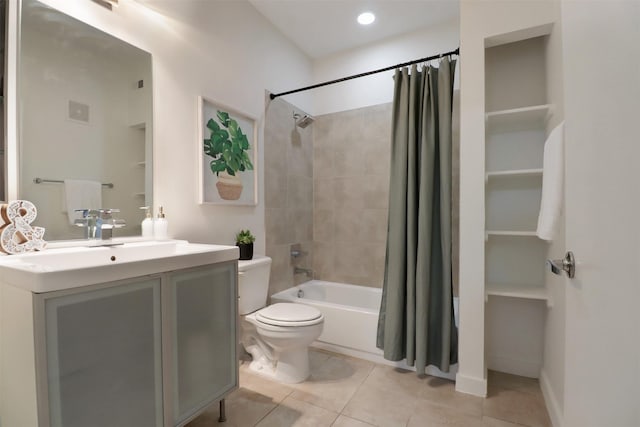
(300, 270)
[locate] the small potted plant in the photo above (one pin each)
(227, 146)
(244, 240)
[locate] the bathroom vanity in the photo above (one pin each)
(141, 334)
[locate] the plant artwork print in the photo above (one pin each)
(228, 163)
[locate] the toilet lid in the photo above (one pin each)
(289, 314)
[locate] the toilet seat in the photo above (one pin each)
(289, 314)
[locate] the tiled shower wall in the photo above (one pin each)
(351, 195)
(351, 159)
(327, 188)
(288, 152)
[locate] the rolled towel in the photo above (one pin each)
(552, 184)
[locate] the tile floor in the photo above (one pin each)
(348, 392)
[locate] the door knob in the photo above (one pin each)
(567, 264)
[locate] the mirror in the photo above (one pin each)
(84, 113)
(3, 170)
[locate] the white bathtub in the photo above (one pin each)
(350, 319)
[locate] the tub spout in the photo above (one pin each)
(300, 270)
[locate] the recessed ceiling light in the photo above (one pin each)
(366, 18)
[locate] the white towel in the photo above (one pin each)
(552, 184)
(80, 194)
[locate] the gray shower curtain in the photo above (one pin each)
(416, 320)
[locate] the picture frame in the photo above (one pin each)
(227, 155)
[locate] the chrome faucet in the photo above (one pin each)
(98, 224)
(300, 270)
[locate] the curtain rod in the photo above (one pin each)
(368, 73)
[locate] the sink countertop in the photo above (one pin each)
(72, 267)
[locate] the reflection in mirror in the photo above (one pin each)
(85, 109)
(3, 54)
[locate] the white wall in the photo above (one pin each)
(198, 48)
(377, 88)
(478, 21)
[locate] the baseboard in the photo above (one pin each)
(550, 399)
(524, 368)
(471, 385)
(378, 358)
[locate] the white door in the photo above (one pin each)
(601, 47)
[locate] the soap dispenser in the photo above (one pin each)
(147, 223)
(160, 226)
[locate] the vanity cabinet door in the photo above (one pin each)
(203, 338)
(103, 356)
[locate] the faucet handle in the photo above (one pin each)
(109, 210)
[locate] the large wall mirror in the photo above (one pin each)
(84, 113)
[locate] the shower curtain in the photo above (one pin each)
(416, 319)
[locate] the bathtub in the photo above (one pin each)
(350, 319)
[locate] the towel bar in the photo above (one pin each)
(59, 181)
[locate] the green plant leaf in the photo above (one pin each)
(207, 147)
(212, 125)
(217, 166)
(244, 142)
(236, 149)
(223, 116)
(220, 135)
(226, 157)
(247, 161)
(234, 164)
(234, 128)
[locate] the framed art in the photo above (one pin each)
(227, 146)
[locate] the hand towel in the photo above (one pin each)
(81, 194)
(552, 184)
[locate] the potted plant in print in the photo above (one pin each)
(227, 145)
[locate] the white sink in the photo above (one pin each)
(65, 268)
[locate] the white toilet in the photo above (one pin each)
(277, 336)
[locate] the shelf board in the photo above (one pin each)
(141, 125)
(518, 118)
(518, 291)
(514, 173)
(510, 233)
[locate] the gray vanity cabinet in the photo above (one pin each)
(103, 356)
(202, 345)
(151, 351)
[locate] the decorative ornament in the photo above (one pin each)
(16, 234)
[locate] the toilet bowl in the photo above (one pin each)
(277, 336)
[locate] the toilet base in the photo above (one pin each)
(289, 367)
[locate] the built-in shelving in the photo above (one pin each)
(518, 118)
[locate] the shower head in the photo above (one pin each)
(302, 120)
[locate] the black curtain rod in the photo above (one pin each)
(368, 73)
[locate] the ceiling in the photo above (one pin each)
(324, 27)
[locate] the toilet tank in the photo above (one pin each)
(253, 284)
